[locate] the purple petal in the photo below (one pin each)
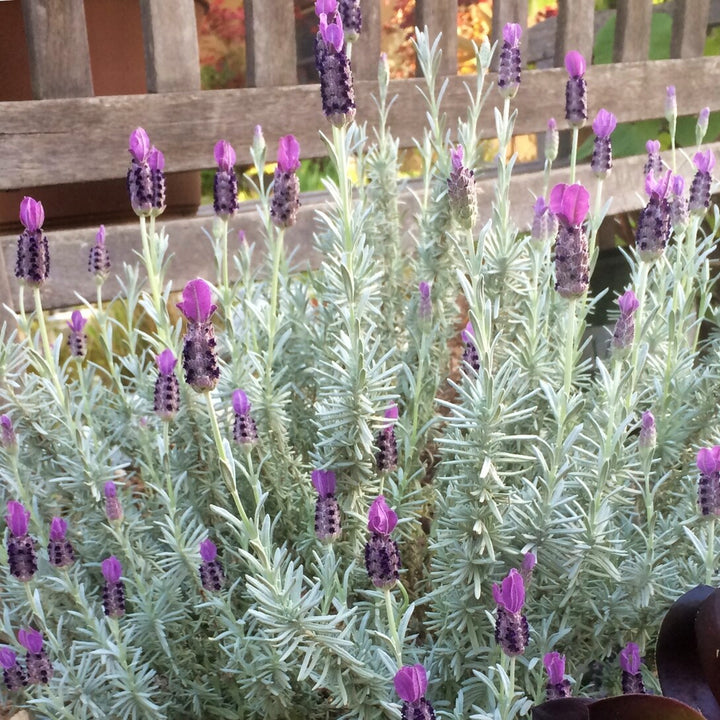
(31, 640)
(332, 34)
(111, 569)
(208, 550)
(100, 236)
(513, 592)
(17, 518)
(196, 304)
(529, 561)
(166, 362)
(225, 155)
(324, 481)
(677, 184)
(392, 412)
(288, 154)
(155, 159)
(554, 664)
(628, 302)
(58, 528)
(325, 7)
(630, 658)
(652, 146)
(552, 125)
(411, 682)
(32, 214)
(512, 32)
(575, 64)
(7, 658)
(657, 185)
(604, 123)
(570, 203)
(77, 322)
(707, 461)
(648, 421)
(704, 116)
(468, 334)
(456, 157)
(424, 290)
(381, 519)
(240, 402)
(704, 161)
(109, 489)
(139, 145)
(497, 594)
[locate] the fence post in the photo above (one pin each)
(575, 29)
(503, 12)
(689, 30)
(632, 30)
(440, 16)
(366, 51)
(270, 43)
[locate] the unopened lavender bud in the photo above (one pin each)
(653, 226)
(544, 225)
(8, 439)
(99, 260)
(576, 103)
(425, 303)
(383, 70)
(14, 675)
(411, 685)
(38, 665)
(512, 633)
(654, 163)
(558, 686)
(571, 204)
(386, 443)
(244, 427)
(113, 506)
(699, 200)
(702, 125)
(471, 356)
(509, 68)
(156, 161)
(336, 81)
(648, 433)
(552, 140)
(327, 510)
(461, 191)
(286, 187)
(225, 186)
(527, 566)
(670, 105)
(22, 557)
(77, 339)
(113, 595)
(708, 463)
(139, 178)
(624, 332)
(351, 16)
(32, 265)
(632, 682)
(679, 213)
(166, 397)
(212, 574)
(603, 126)
(60, 551)
(382, 559)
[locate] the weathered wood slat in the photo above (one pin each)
(575, 29)
(366, 51)
(632, 30)
(507, 11)
(172, 60)
(58, 48)
(440, 16)
(54, 141)
(690, 19)
(193, 257)
(270, 43)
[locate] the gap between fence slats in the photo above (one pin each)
(193, 258)
(632, 30)
(172, 61)
(270, 43)
(440, 16)
(690, 19)
(58, 48)
(366, 51)
(575, 29)
(504, 12)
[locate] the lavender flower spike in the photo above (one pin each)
(386, 443)
(632, 682)
(351, 17)
(411, 685)
(647, 438)
(99, 260)
(244, 428)
(286, 187)
(166, 396)
(471, 356)
(156, 162)
(544, 225)
(14, 676)
(461, 191)
(425, 304)
(511, 627)
(39, 667)
(509, 68)
(139, 180)
(670, 104)
(225, 184)
(552, 141)
(8, 439)
(624, 333)
(654, 163)
(22, 557)
(702, 125)
(699, 200)
(60, 551)
(77, 339)
(113, 506)
(333, 65)
(653, 227)
(32, 265)
(212, 574)
(113, 595)
(571, 204)
(327, 510)
(679, 213)
(576, 110)
(708, 463)
(603, 126)
(558, 686)
(382, 559)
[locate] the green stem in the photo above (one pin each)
(569, 359)
(573, 154)
(710, 557)
(49, 358)
(392, 625)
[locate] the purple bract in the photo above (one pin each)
(510, 594)
(512, 32)
(630, 658)
(240, 402)
(324, 481)
(657, 185)
(628, 302)
(32, 214)
(708, 460)
(208, 550)
(411, 682)
(225, 156)
(7, 658)
(288, 154)
(704, 161)
(166, 362)
(381, 518)
(604, 123)
(31, 640)
(554, 664)
(325, 7)
(111, 569)
(196, 304)
(139, 145)
(77, 322)
(58, 528)
(17, 518)
(575, 64)
(570, 203)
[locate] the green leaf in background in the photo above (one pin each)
(660, 32)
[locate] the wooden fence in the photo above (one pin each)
(66, 135)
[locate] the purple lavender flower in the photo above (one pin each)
(351, 16)
(679, 213)
(113, 506)
(508, 79)
(653, 227)
(471, 356)
(286, 187)
(327, 510)
(113, 595)
(552, 140)
(425, 304)
(382, 558)
(386, 443)
(527, 566)
(461, 191)
(22, 557)
(99, 260)
(670, 104)
(60, 551)
(511, 627)
(571, 203)
(244, 428)
(39, 667)
(200, 361)
(558, 686)
(333, 64)
(702, 125)
(8, 439)
(654, 163)
(632, 682)
(648, 433)
(77, 339)
(576, 109)
(603, 126)
(544, 225)
(212, 574)
(32, 265)
(14, 676)
(708, 463)
(166, 397)
(624, 333)
(699, 200)
(411, 685)
(225, 186)
(139, 179)
(156, 162)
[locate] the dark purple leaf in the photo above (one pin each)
(707, 634)
(641, 707)
(678, 660)
(563, 709)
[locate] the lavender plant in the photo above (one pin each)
(373, 526)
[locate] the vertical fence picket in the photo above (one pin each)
(270, 43)
(366, 51)
(575, 29)
(440, 16)
(632, 30)
(171, 48)
(503, 12)
(689, 29)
